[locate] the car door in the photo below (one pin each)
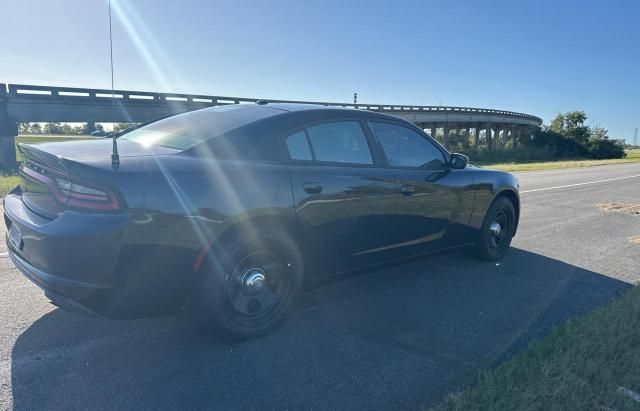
(435, 201)
(342, 197)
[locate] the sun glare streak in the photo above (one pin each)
(144, 42)
(184, 201)
(220, 178)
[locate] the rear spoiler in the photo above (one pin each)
(33, 153)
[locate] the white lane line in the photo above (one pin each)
(4, 255)
(578, 184)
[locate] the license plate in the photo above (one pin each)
(15, 236)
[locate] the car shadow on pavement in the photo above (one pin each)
(400, 337)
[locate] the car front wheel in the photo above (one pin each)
(497, 230)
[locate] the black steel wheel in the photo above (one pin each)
(251, 286)
(497, 230)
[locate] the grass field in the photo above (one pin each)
(8, 181)
(580, 366)
(633, 156)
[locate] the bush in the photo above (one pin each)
(602, 149)
(547, 145)
(519, 154)
(557, 145)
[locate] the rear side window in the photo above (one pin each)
(187, 130)
(298, 146)
(337, 142)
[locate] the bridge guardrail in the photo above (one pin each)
(74, 94)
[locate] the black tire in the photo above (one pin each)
(250, 286)
(493, 244)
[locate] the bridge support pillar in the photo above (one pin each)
(476, 142)
(445, 137)
(501, 136)
(434, 130)
(8, 133)
(488, 136)
(515, 135)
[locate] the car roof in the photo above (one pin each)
(257, 125)
(301, 106)
(320, 110)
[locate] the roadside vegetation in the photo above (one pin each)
(567, 138)
(8, 181)
(632, 156)
(590, 363)
(65, 129)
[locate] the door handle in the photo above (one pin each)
(312, 188)
(407, 190)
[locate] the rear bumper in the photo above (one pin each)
(59, 290)
(101, 265)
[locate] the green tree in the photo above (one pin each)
(52, 128)
(35, 128)
(66, 129)
(122, 126)
(557, 125)
(574, 126)
(598, 133)
(89, 128)
(24, 127)
(571, 125)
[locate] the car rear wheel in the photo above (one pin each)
(251, 286)
(497, 230)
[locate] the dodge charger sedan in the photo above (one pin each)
(230, 211)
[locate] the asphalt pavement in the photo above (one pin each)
(401, 337)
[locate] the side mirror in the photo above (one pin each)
(459, 161)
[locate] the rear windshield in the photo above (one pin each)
(186, 130)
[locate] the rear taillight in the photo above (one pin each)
(85, 197)
(72, 193)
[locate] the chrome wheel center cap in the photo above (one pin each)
(254, 280)
(495, 229)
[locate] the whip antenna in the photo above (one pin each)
(115, 158)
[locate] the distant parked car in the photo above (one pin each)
(100, 134)
(229, 210)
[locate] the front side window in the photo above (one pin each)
(405, 147)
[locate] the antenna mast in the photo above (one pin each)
(115, 158)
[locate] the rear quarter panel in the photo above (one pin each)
(199, 199)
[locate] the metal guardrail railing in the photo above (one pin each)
(73, 94)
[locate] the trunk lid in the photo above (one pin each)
(97, 149)
(49, 168)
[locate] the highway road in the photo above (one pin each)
(401, 337)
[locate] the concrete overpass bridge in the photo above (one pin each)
(29, 103)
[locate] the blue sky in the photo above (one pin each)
(539, 57)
